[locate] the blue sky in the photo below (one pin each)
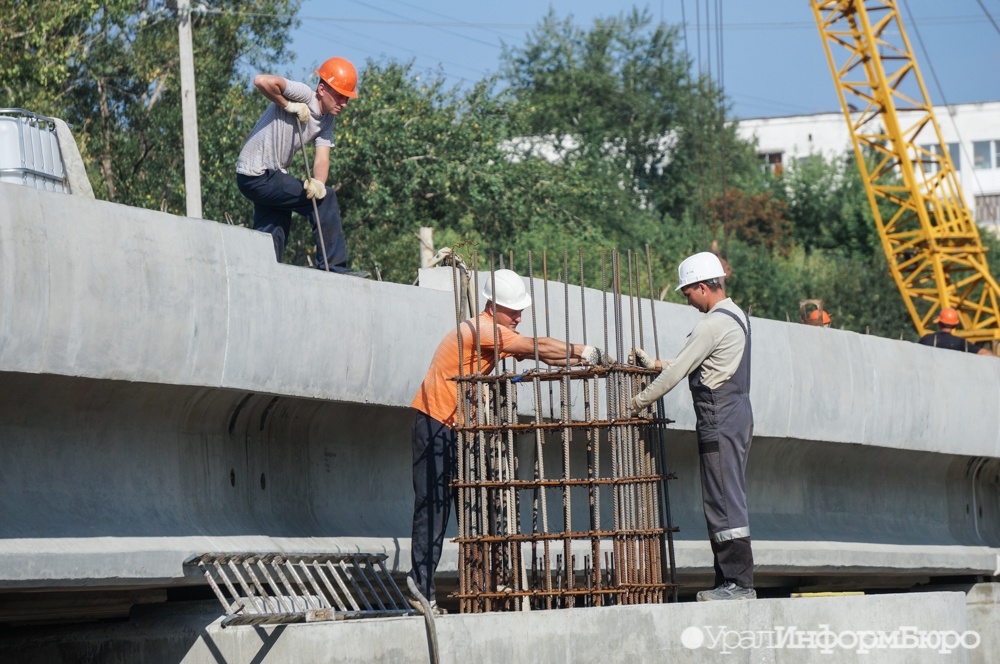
(773, 60)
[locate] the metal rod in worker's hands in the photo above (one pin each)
(319, 229)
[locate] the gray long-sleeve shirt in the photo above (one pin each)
(714, 347)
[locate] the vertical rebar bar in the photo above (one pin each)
(566, 438)
(539, 442)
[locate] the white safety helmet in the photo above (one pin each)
(700, 267)
(511, 292)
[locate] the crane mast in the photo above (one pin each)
(933, 247)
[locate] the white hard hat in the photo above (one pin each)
(700, 267)
(511, 292)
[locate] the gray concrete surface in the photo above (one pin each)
(76, 171)
(926, 627)
(169, 389)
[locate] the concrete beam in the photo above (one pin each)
(170, 390)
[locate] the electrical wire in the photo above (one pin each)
(951, 114)
(406, 18)
(983, 7)
(363, 48)
(460, 23)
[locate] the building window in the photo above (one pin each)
(770, 162)
(981, 157)
(988, 209)
(954, 151)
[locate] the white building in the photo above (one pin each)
(972, 132)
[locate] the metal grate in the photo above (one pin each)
(273, 588)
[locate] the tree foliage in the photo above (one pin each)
(111, 70)
(592, 137)
(412, 152)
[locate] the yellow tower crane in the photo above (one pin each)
(935, 253)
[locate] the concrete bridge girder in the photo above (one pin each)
(172, 390)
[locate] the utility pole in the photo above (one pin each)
(189, 109)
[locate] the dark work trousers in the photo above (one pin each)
(276, 195)
(434, 448)
(725, 429)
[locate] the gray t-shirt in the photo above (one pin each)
(275, 139)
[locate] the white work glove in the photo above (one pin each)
(314, 188)
(641, 358)
(595, 358)
(633, 406)
(299, 110)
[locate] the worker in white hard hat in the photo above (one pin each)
(716, 361)
(297, 116)
(436, 402)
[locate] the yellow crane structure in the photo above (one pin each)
(935, 253)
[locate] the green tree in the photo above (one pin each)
(111, 70)
(412, 152)
(828, 205)
(621, 89)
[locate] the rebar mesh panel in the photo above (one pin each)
(274, 588)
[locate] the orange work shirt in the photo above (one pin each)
(438, 396)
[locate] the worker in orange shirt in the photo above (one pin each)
(436, 402)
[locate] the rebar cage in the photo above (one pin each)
(514, 554)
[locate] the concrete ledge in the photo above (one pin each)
(177, 391)
(192, 302)
(813, 629)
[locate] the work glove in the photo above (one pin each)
(299, 110)
(595, 358)
(314, 188)
(633, 407)
(641, 358)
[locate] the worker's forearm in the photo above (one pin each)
(697, 348)
(321, 169)
(553, 351)
(666, 381)
(321, 163)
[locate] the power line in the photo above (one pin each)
(494, 27)
(937, 83)
(983, 7)
(454, 34)
(363, 48)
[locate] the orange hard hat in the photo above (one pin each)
(340, 75)
(948, 316)
(815, 314)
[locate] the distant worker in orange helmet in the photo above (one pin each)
(814, 318)
(262, 168)
(943, 338)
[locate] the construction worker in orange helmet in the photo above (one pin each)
(340, 75)
(297, 116)
(947, 321)
(816, 314)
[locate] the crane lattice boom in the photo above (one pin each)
(935, 253)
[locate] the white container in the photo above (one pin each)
(29, 151)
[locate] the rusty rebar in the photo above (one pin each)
(493, 573)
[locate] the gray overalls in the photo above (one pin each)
(725, 429)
